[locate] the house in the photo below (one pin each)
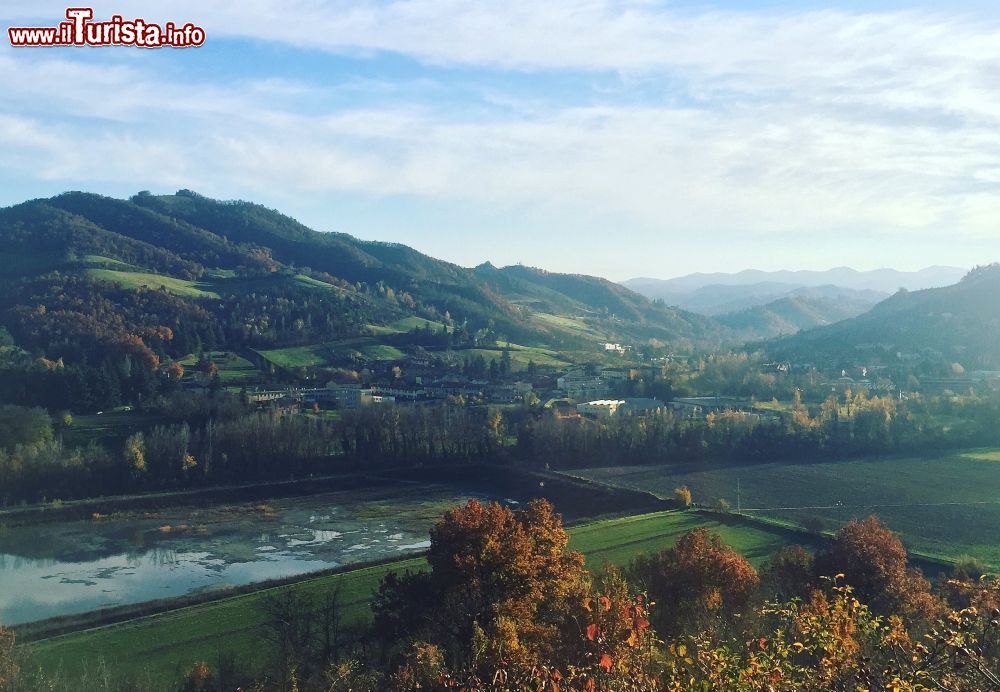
(616, 374)
(601, 408)
(581, 386)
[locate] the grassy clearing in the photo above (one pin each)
(134, 280)
(574, 325)
(520, 356)
(163, 646)
(109, 428)
(331, 353)
(617, 541)
(233, 369)
(404, 326)
(943, 505)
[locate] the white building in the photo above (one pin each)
(601, 408)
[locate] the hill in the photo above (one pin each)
(958, 323)
(805, 308)
(91, 282)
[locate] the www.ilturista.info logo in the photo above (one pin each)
(81, 31)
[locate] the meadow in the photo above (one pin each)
(944, 505)
(159, 648)
(233, 369)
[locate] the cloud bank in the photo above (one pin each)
(671, 120)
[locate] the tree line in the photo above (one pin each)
(204, 440)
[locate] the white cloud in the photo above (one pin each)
(768, 123)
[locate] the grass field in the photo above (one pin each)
(617, 541)
(163, 646)
(332, 352)
(110, 427)
(574, 325)
(181, 287)
(214, 284)
(404, 326)
(233, 369)
(520, 356)
(943, 505)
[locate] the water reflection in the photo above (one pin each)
(72, 567)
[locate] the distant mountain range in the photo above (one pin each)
(762, 304)
(958, 323)
(882, 280)
(803, 308)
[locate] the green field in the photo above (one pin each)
(162, 646)
(574, 325)
(617, 541)
(233, 369)
(943, 505)
(331, 353)
(404, 326)
(520, 356)
(110, 427)
(181, 287)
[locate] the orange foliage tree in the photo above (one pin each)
(698, 579)
(873, 561)
(505, 574)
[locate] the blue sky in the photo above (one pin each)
(624, 139)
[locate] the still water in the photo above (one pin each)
(72, 567)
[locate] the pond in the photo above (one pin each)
(65, 568)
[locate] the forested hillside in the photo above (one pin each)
(100, 293)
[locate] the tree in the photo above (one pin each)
(683, 496)
(697, 580)
(491, 568)
(134, 453)
(288, 626)
(24, 426)
(788, 573)
(873, 561)
(198, 679)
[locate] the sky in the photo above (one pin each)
(622, 139)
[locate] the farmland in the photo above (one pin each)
(331, 352)
(159, 647)
(233, 369)
(945, 505)
(128, 279)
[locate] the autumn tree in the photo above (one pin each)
(698, 579)
(873, 561)
(491, 568)
(134, 453)
(683, 496)
(789, 573)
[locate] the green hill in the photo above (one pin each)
(91, 280)
(793, 314)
